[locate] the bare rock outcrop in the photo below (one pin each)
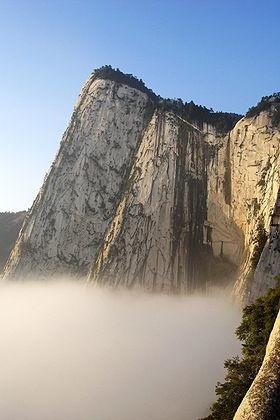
(243, 182)
(66, 224)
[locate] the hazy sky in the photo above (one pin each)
(223, 54)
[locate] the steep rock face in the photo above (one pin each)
(156, 236)
(243, 181)
(255, 183)
(262, 401)
(66, 224)
(227, 237)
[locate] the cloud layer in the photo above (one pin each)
(70, 352)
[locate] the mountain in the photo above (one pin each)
(154, 193)
(10, 224)
(262, 401)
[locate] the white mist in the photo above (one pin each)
(70, 352)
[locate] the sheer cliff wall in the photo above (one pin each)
(243, 182)
(67, 222)
(141, 195)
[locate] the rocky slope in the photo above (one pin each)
(153, 193)
(10, 224)
(157, 233)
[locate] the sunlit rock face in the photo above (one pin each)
(262, 401)
(71, 213)
(255, 182)
(243, 181)
(142, 195)
(156, 236)
(10, 224)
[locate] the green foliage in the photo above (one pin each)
(260, 242)
(254, 331)
(268, 103)
(223, 121)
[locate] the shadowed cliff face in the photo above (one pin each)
(10, 224)
(157, 232)
(243, 181)
(140, 195)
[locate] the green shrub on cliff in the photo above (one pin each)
(107, 72)
(257, 323)
(267, 103)
(223, 121)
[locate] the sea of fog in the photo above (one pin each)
(74, 352)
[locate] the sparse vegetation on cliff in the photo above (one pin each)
(260, 242)
(254, 331)
(267, 103)
(223, 121)
(107, 72)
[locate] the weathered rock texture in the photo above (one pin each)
(218, 186)
(149, 195)
(70, 215)
(262, 401)
(269, 264)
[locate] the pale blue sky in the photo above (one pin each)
(222, 54)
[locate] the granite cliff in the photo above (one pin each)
(10, 225)
(154, 193)
(66, 224)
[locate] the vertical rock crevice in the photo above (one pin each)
(190, 210)
(157, 230)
